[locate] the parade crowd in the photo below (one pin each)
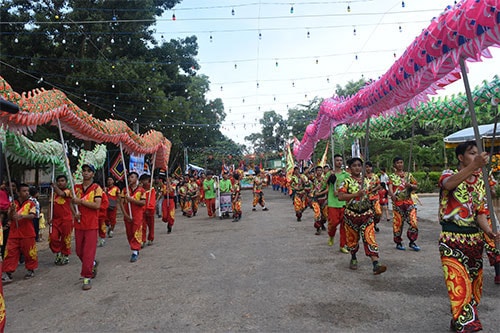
(349, 199)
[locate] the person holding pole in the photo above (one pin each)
(148, 221)
(61, 221)
(21, 237)
(132, 205)
(168, 204)
(88, 200)
(112, 191)
(463, 214)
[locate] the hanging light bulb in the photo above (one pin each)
(308, 34)
(113, 86)
(260, 35)
(257, 84)
(348, 8)
(400, 29)
(112, 40)
(64, 41)
(77, 83)
(317, 61)
(291, 10)
(211, 39)
(235, 66)
(394, 54)
(327, 80)
(232, 11)
(293, 84)
(354, 31)
(276, 63)
(221, 88)
(16, 40)
(356, 57)
(173, 17)
(403, 4)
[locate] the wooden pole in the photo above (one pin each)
(126, 180)
(66, 162)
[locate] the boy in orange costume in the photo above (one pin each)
(148, 222)
(61, 221)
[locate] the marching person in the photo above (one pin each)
(61, 221)
(21, 236)
(132, 205)
(208, 186)
(148, 223)
(358, 216)
(112, 192)
(258, 196)
(401, 185)
(236, 197)
(168, 204)
(336, 206)
(463, 216)
(88, 196)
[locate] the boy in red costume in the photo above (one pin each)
(168, 204)
(112, 191)
(22, 236)
(88, 198)
(132, 205)
(61, 221)
(148, 222)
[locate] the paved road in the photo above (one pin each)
(267, 273)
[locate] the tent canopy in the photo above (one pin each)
(467, 134)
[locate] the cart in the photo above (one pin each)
(223, 203)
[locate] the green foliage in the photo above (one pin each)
(427, 181)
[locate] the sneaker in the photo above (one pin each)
(30, 274)
(87, 284)
(400, 246)
(94, 269)
(353, 264)
(497, 279)
(323, 227)
(150, 242)
(142, 245)
(253, 209)
(110, 233)
(64, 260)
(169, 229)
(265, 209)
(101, 242)
(318, 231)
(344, 249)
(134, 257)
(414, 246)
(379, 269)
(7, 277)
(58, 259)
(377, 229)
(299, 219)
(330, 241)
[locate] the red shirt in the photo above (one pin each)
(24, 227)
(89, 218)
(62, 207)
(138, 194)
(104, 206)
(150, 199)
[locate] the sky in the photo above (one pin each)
(275, 55)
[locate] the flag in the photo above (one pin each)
(322, 163)
(289, 163)
(117, 169)
(178, 172)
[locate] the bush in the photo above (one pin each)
(427, 181)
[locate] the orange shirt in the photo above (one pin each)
(138, 194)
(89, 218)
(150, 199)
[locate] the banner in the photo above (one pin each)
(136, 164)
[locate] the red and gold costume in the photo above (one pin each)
(403, 207)
(358, 218)
(148, 222)
(62, 224)
(461, 247)
(21, 239)
(236, 200)
(86, 228)
(168, 204)
(319, 202)
(113, 192)
(258, 195)
(374, 197)
(134, 227)
(297, 184)
(192, 198)
(103, 215)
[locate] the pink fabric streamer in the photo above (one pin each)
(430, 63)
